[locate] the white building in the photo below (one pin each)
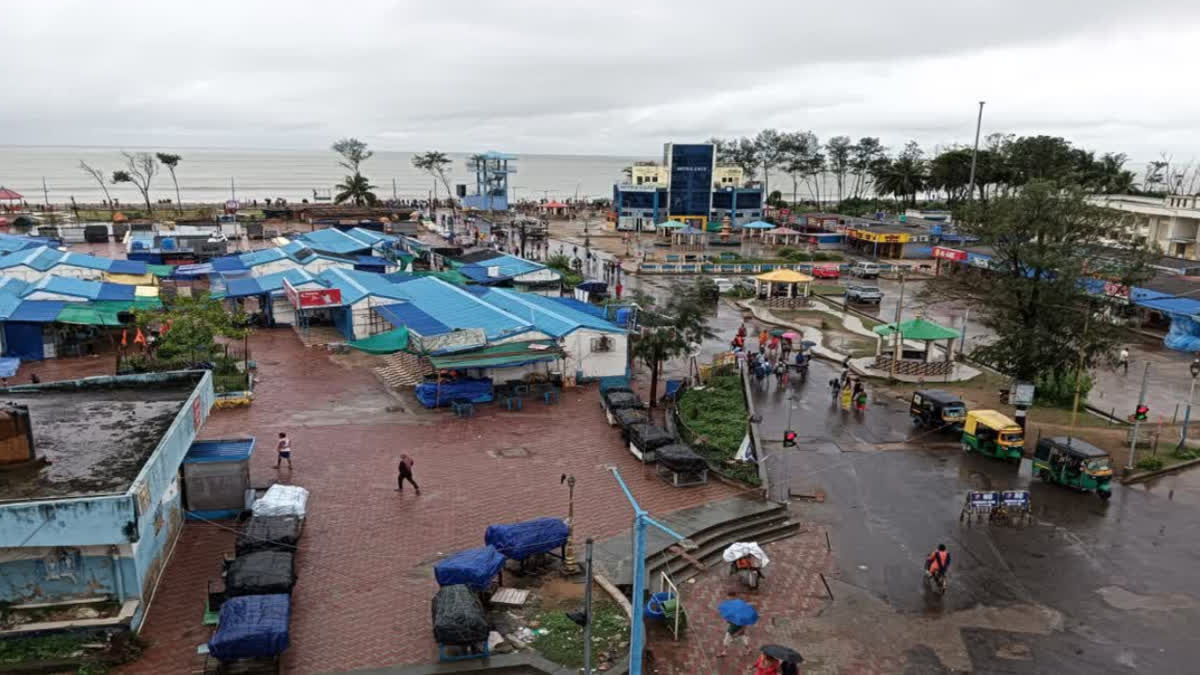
(1172, 222)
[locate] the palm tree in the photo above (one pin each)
(358, 189)
(171, 161)
(434, 163)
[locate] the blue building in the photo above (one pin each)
(690, 187)
(90, 504)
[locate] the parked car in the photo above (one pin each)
(863, 294)
(830, 271)
(723, 285)
(865, 270)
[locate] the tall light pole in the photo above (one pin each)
(569, 564)
(1187, 414)
(975, 154)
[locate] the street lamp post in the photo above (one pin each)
(569, 564)
(1187, 414)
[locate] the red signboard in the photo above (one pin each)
(322, 297)
(949, 253)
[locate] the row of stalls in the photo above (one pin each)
(676, 463)
(468, 579)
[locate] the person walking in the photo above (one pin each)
(1123, 359)
(283, 450)
(405, 473)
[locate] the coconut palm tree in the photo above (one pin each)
(171, 161)
(357, 189)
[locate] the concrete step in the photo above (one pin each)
(709, 551)
(720, 534)
(714, 559)
(404, 370)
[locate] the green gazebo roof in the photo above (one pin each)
(918, 329)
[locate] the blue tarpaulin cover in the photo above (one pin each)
(8, 366)
(521, 540)
(1184, 334)
(476, 568)
(473, 390)
(252, 626)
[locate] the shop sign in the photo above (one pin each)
(325, 297)
(943, 253)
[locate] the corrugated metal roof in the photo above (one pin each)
(89, 261)
(261, 257)
(224, 450)
(12, 286)
(52, 283)
(412, 317)
(127, 267)
(458, 309)
(111, 291)
(548, 316)
(228, 263)
(8, 305)
(356, 285)
(37, 311)
(334, 241)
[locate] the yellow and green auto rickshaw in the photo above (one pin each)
(1074, 463)
(937, 409)
(993, 434)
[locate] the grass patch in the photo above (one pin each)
(826, 289)
(227, 382)
(40, 648)
(713, 422)
(563, 642)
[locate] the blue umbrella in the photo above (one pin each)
(807, 344)
(738, 612)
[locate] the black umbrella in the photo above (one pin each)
(781, 653)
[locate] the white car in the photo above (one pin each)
(865, 270)
(723, 285)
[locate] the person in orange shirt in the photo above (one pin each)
(762, 341)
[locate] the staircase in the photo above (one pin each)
(404, 370)
(770, 525)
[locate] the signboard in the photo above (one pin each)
(949, 254)
(877, 237)
(322, 297)
(1021, 394)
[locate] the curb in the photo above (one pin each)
(1147, 475)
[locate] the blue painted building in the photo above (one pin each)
(491, 181)
(99, 520)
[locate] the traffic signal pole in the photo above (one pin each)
(1137, 422)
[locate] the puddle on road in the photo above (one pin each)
(1127, 600)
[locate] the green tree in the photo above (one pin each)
(356, 189)
(676, 330)
(435, 163)
(903, 176)
(194, 323)
(863, 155)
(1047, 241)
(768, 146)
(354, 152)
(950, 172)
(838, 151)
(140, 168)
(171, 161)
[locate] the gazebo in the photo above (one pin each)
(788, 235)
(924, 331)
(758, 225)
(689, 236)
(9, 195)
(780, 288)
(554, 208)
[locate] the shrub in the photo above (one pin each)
(1056, 388)
(1151, 463)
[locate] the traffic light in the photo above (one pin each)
(1142, 412)
(789, 439)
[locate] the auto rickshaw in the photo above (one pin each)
(993, 434)
(1074, 463)
(937, 409)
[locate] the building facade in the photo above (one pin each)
(688, 187)
(1171, 222)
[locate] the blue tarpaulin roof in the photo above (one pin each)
(110, 291)
(521, 540)
(127, 267)
(8, 305)
(334, 241)
(476, 568)
(1172, 305)
(37, 311)
(547, 315)
(410, 316)
(456, 308)
(242, 288)
(224, 450)
(229, 263)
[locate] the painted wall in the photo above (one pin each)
(591, 364)
(82, 521)
(41, 574)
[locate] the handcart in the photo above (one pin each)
(460, 627)
(1011, 508)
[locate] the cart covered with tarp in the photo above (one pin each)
(459, 621)
(260, 573)
(475, 568)
(680, 466)
(521, 540)
(282, 500)
(437, 394)
(268, 533)
(627, 417)
(645, 439)
(252, 627)
(618, 398)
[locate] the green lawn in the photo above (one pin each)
(563, 641)
(714, 421)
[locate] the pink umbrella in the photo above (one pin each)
(792, 335)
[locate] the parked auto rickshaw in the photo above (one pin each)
(1074, 463)
(993, 434)
(937, 409)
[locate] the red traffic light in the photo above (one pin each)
(1142, 412)
(789, 438)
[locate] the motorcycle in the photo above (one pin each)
(936, 582)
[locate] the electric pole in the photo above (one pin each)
(897, 346)
(975, 155)
(1137, 422)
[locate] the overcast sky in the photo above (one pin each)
(615, 78)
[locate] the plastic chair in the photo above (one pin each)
(463, 407)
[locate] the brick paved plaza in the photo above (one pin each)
(364, 570)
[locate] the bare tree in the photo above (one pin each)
(140, 170)
(98, 175)
(354, 152)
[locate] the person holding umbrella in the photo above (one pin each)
(738, 614)
(778, 660)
